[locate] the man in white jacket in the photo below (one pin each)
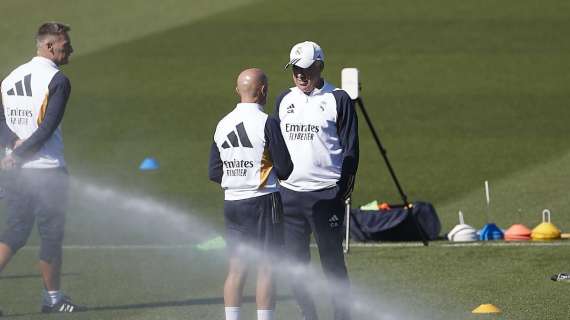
(319, 125)
(34, 97)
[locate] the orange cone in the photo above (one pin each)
(486, 308)
(518, 232)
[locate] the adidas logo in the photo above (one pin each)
(27, 87)
(291, 108)
(334, 221)
(236, 139)
(66, 308)
(561, 277)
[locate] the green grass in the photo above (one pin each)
(461, 92)
(415, 282)
(97, 25)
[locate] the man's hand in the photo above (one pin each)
(18, 143)
(8, 162)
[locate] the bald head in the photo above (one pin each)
(252, 86)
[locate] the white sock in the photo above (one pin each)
(264, 314)
(52, 297)
(232, 313)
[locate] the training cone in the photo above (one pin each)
(149, 164)
(518, 232)
(490, 232)
(462, 232)
(546, 230)
(212, 244)
(371, 206)
(486, 308)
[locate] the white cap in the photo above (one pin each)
(304, 54)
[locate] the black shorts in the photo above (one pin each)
(36, 195)
(255, 222)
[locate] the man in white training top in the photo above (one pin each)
(247, 158)
(34, 97)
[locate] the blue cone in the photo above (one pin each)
(491, 232)
(149, 164)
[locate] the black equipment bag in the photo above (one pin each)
(394, 224)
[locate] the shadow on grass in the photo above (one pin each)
(34, 275)
(164, 304)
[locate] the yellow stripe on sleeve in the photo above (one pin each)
(266, 166)
(42, 114)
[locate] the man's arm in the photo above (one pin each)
(278, 149)
(215, 171)
(59, 91)
(347, 126)
(7, 136)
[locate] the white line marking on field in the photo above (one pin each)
(464, 244)
(122, 247)
(438, 244)
(510, 244)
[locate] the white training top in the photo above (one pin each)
(247, 167)
(309, 127)
(25, 98)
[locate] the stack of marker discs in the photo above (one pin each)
(490, 231)
(462, 232)
(518, 232)
(546, 230)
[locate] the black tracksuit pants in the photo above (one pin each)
(321, 213)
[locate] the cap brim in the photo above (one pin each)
(292, 62)
(300, 63)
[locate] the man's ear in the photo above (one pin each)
(49, 46)
(260, 91)
(237, 92)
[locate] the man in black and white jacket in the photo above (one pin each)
(319, 125)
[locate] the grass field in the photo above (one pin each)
(462, 92)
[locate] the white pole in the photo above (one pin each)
(347, 223)
(487, 195)
(487, 192)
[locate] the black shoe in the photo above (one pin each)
(63, 306)
(561, 277)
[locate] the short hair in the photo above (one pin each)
(320, 64)
(51, 29)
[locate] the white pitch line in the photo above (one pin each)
(122, 247)
(438, 244)
(463, 244)
(510, 244)
(382, 244)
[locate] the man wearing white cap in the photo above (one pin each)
(320, 128)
